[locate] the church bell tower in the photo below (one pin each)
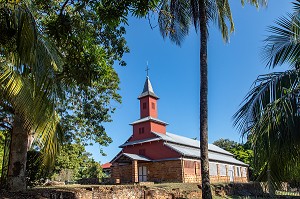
(148, 121)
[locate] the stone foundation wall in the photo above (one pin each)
(121, 174)
(191, 171)
(219, 179)
(226, 179)
(164, 171)
(240, 179)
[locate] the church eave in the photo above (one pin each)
(139, 142)
(151, 119)
(148, 93)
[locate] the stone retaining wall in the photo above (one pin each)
(137, 192)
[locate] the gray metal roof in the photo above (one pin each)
(224, 158)
(212, 156)
(185, 150)
(136, 157)
(139, 142)
(148, 90)
(149, 118)
(128, 157)
(170, 137)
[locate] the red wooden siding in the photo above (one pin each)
(153, 150)
(146, 107)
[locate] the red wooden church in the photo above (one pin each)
(153, 154)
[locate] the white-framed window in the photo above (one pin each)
(244, 171)
(222, 168)
(143, 174)
(238, 171)
(213, 169)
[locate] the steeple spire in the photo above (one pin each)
(148, 90)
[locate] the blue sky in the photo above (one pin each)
(174, 74)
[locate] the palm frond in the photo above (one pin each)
(283, 45)
(28, 79)
(174, 19)
(34, 107)
(267, 89)
(274, 136)
(176, 16)
(222, 15)
(296, 6)
(256, 3)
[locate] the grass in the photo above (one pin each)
(287, 193)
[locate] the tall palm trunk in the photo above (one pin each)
(16, 180)
(206, 191)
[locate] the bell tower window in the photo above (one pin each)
(141, 130)
(153, 105)
(144, 105)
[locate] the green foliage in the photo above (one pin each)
(56, 70)
(36, 174)
(89, 35)
(240, 151)
(226, 144)
(91, 169)
(242, 154)
(75, 163)
(59, 57)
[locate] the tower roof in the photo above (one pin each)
(148, 90)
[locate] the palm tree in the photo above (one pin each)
(28, 64)
(270, 112)
(175, 18)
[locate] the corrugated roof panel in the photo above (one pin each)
(139, 142)
(184, 150)
(195, 152)
(136, 157)
(224, 158)
(189, 142)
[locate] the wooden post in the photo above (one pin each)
(234, 173)
(247, 174)
(218, 172)
(135, 175)
(227, 176)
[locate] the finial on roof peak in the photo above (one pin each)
(147, 70)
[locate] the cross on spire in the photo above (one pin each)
(147, 69)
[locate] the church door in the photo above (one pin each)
(142, 174)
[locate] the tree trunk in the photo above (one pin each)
(206, 191)
(16, 179)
